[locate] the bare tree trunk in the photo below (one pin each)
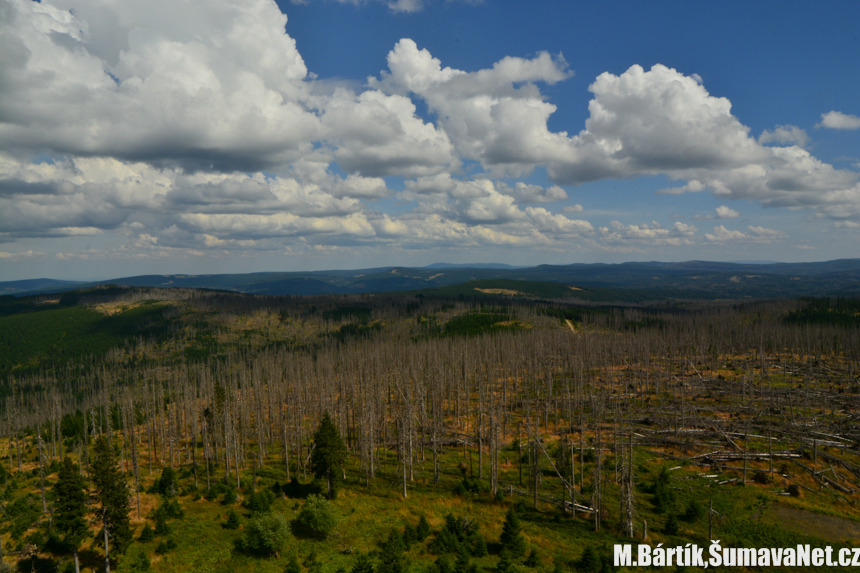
(598, 484)
(520, 451)
(107, 555)
(41, 467)
(627, 490)
(206, 454)
(534, 463)
(572, 480)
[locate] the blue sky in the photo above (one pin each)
(224, 136)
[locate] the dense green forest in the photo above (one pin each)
(31, 339)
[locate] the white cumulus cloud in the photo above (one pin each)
(839, 120)
(216, 86)
(205, 130)
(754, 234)
(488, 117)
(525, 193)
(785, 135)
(621, 237)
(407, 6)
(662, 122)
(377, 134)
(724, 212)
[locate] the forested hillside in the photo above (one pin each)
(690, 280)
(477, 430)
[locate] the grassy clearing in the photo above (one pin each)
(752, 515)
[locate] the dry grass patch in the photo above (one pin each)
(498, 291)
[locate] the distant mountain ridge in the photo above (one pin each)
(689, 279)
(472, 266)
(36, 285)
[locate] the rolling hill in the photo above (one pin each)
(691, 279)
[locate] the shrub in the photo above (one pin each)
(293, 565)
(761, 477)
(137, 562)
(532, 560)
(457, 536)
(671, 527)
(363, 564)
(505, 564)
(170, 509)
(261, 502)
(461, 564)
(161, 527)
(147, 534)
(664, 497)
(296, 490)
(441, 565)
(590, 560)
(313, 563)
(265, 534)
(316, 518)
(693, 512)
(394, 542)
(165, 484)
(232, 520)
(475, 486)
(422, 531)
(445, 542)
(479, 547)
(229, 497)
(794, 490)
(165, 546)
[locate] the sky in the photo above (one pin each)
(231, 136)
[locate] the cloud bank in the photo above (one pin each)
(206, 130)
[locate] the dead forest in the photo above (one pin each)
(550, 401)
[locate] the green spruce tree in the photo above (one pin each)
(391, 556)
(70, 507)
(363, 564)
(441, 565)
(161, 527)
(423, 529)
(511, 539)
(589, 560)
(232, 520)
(671, 527)
(461, 565)
(113, 496)
(505, 562)
(293, 565)
(533, 560)
(147, 534)
(329, 454)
